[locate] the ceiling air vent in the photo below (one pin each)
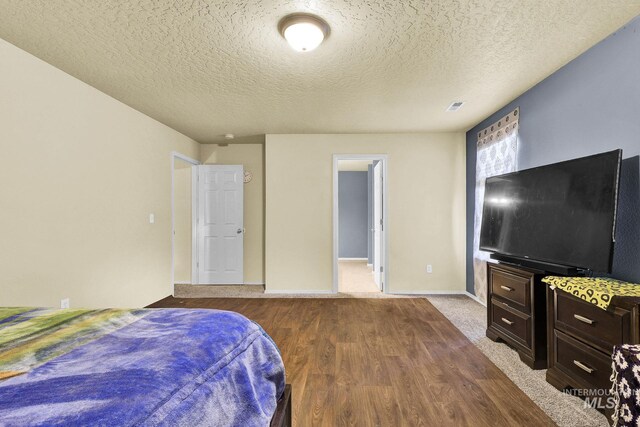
(455, 106)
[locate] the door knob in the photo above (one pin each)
(239, 231)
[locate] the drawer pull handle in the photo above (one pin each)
(506, 288)
(583, 367)
(507, 321)
(583, 319)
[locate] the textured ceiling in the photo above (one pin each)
(209, 67)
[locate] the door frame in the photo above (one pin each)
(384, 159)
(176, 155)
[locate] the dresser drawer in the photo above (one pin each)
(582, 362)
(512, 287)
(601, 329)
(514, 323)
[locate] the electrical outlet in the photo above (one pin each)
(64, 303)
(429, 269)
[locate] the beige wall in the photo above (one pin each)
(426, 197)
(251, 155)
(182, 221)
(81, 172)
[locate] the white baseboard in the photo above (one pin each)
(353, 259)
(297, 291)
(234, 284)
(427, 292)
(475, 298)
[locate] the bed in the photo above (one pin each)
(173, 367)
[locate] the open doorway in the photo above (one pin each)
(181, 218)
(359, 209)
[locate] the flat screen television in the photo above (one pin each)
(560, 215)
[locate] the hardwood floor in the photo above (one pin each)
(381, 362)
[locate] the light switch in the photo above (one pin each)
(152, 218)
(429, 269)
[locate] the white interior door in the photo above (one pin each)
(219, 225)
(377, 224)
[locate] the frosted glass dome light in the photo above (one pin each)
(304, 36)
(303, 32)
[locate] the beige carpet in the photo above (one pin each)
(471, 318)
(355, 277)
(218, 291)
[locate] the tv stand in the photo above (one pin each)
(516, 311)
(549, 267)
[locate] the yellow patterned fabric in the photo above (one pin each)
(596, 290)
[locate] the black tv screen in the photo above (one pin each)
(562, 213)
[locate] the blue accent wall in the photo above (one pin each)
(589, 106)
(352, 214)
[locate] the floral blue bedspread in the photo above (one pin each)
(173, 367)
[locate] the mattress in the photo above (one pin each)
(175, 367)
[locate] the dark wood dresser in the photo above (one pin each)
(581, 339)
(516, 311)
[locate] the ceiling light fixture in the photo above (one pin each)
(303, 31)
